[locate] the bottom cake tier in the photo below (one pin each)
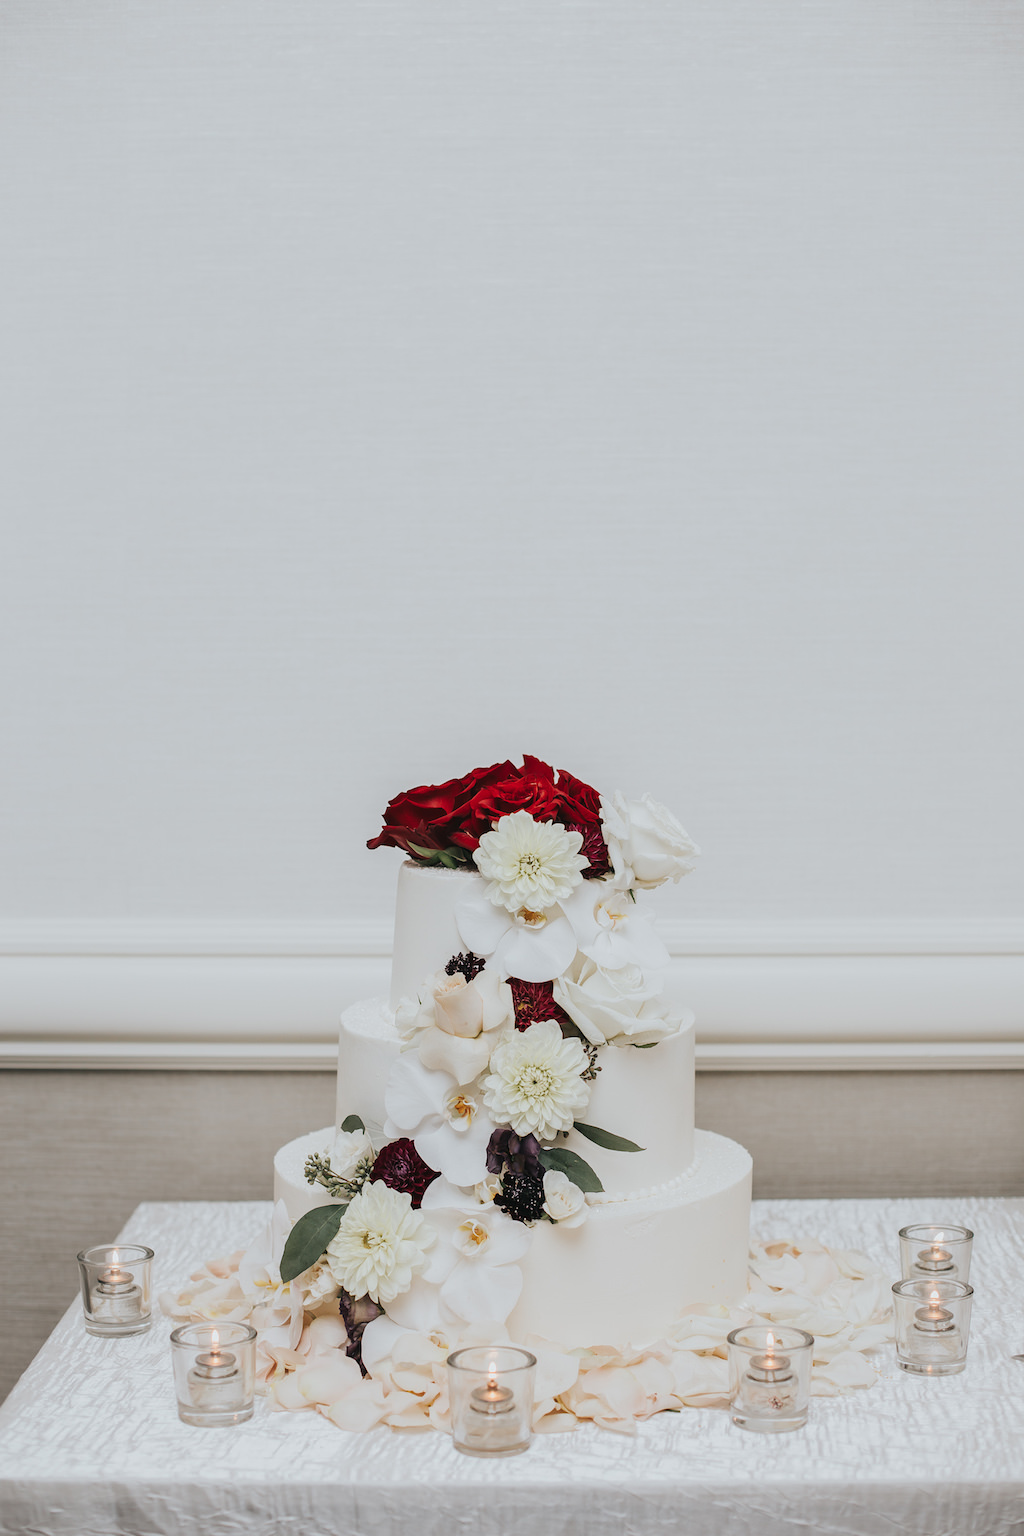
(633, 1267)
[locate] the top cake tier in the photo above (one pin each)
(426, 934)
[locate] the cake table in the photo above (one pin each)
(90, 1444)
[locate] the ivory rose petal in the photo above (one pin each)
(362, 1408)
(287, 1393)
(329, 1380)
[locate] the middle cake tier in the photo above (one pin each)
(644, 1095)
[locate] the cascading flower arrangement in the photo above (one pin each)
(501, 1045)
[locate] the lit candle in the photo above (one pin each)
(770, 1385)
(489, 1427)
(116, 1298)
(934, 1318)
(215, 1380)
(935, 1260)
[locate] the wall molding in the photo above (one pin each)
(260, 996)
(271, 1056)
(362, 937)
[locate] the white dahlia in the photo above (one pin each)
(531, 865)
(380, 1245)
(534, 1084)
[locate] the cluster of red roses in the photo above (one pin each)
(443, 823)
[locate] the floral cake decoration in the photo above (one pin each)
(358, 1303)
(500, 1047)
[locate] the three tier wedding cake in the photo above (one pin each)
(514, 1141)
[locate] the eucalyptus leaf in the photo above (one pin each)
(561, 1160)
(605, 1139)
(352, 1123)
(308, 1239)
(649, 1046)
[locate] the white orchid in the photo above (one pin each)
(531, 945)
(621, 1006)
(610, 930)
(380, 1244)
(445, 1120)
(534, 1084)
(531, 865)
(452, 1023)
(646, 843)
(472, 1275)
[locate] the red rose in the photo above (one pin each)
(579, 809)
(430, 816)
(529, 788)
(578, 803)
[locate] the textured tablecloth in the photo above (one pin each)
(90, 1442)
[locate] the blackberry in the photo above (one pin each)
(521, 1196)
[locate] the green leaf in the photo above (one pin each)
(431, 855)
(308, 1239)
(606, 1139)
(648, 1047)
(561, 1160)
(352, 1123)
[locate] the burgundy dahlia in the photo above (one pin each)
(593, 848)
(533, 1000)
(400, 1167)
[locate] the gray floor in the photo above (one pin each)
(79, 1150)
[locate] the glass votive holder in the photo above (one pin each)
(933, 1321)
(770, 1377)
(936, 1251)
(490, 1392)
(214, 1373)
(116, 1288)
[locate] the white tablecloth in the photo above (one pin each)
(90, 1443)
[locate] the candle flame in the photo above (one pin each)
(769, 1348)
(214, 1341)
(934, 1298)
(115, 1259)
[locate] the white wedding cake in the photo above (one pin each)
(514, 1139)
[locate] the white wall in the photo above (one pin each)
(388, 388)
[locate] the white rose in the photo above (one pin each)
(346, 1150)
(620, 1006)
(646, 843)
(451, 1019)
(564, 1202)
